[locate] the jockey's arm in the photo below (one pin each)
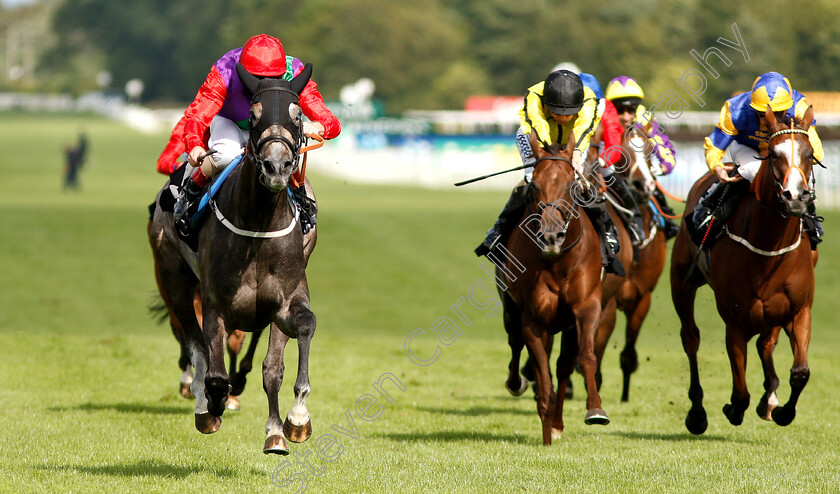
(663, 149)
(323, 122)
(716, 143)
(612, 134)
(168, 160)
(207, 103)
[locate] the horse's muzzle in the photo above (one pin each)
(797, 206)
(552, 242)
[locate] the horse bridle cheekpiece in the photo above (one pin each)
(780, 185)
(542, 207)
(269, 92)
(270, 97)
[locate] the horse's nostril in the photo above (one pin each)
(269, 167)
(787, 195)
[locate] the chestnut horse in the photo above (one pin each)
(250, 267)
(635, 294)
(551, 281)
(762, 274)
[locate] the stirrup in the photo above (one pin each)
(182, 205)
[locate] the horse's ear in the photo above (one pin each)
(249, 80)
(536, 146)
(805, 123)
(770, 116)
(570, 144)
(299, 82)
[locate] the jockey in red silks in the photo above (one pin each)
(608, 155)
(218, 116)
(626, 94)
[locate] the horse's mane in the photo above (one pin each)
(555, 148)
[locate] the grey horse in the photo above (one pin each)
(249, 268)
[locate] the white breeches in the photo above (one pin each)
(227, 139)
(745, 158)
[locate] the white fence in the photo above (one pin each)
(418, 162)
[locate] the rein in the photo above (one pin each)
(543, 206)
(780, 186)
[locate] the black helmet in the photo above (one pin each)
(563, 92)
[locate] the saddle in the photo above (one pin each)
(728, 202)
(198, 213)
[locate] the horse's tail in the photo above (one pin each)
(157, 308)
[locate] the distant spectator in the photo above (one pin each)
(74, 160)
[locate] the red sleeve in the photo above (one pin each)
(612, 134)
(168, 160)
(207, 103)
(314, 108)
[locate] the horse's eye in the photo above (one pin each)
(295, 114)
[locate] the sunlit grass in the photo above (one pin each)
(89, 396)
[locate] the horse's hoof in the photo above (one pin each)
(766, 406)
(596, 416)
(765, 410)
(217, 391)
(276, 445)
(735, 417)
(783, 415)
(207, 423)
(297, 433)
(232, 403)
(523, 387)
(555, 434)
(185, 391)
(696, 422)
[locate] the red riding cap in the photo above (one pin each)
(263, 55)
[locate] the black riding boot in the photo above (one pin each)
(504, 225)
(307, 208)
(670, 227)
(718, 202)
(190, 194)
(813, 225)
(708, 203)
(636, 225)
(610, 246)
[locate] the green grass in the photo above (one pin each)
(89, 397)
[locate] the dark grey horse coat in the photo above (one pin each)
(245, 282)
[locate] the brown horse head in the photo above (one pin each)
(789, 158)
(552, 197)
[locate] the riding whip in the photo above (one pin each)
(708, 229)
(465, 182)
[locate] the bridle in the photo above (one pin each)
(272, 109)
(541, 206)
(781, 184)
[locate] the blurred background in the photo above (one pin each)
(428, 93)
(427, 90)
